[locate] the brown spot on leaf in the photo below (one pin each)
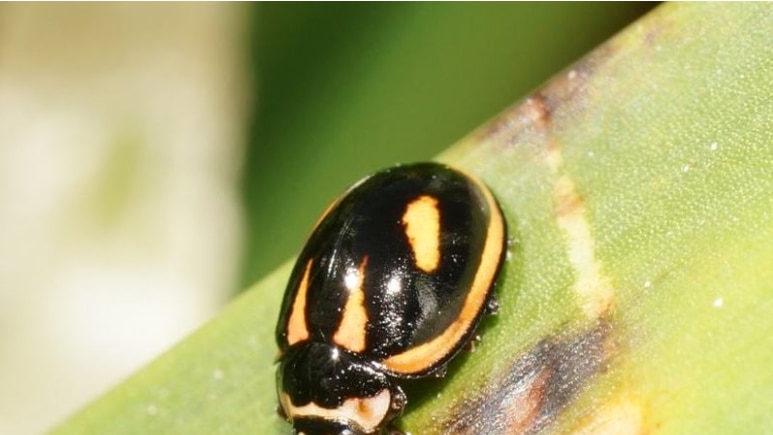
(534, 389)
(654, 26)
(526, 118)
(545, 110)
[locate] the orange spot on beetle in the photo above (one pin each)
(422, 227)
(351, 332)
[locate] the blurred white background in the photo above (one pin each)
(121, 133)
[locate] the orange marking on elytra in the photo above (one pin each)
(297, 329)
(351, 332)
(422, 227)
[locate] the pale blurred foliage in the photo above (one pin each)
(121, 130)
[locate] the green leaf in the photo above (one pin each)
(638, 293)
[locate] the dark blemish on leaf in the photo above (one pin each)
(536, 387)
(535, 118)
(565, 94)
(525, 119)
(654, 26)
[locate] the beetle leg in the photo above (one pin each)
(398, 400)
(472, 344)
(492, 306)
(440, 372)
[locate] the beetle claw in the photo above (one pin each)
(492, 306)
(281, 412)
(440, 372)
(472, 344)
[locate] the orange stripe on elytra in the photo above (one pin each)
(297, 329)
(351, 332)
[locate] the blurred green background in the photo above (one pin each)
(344, 89)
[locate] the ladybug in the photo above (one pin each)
(391, 284)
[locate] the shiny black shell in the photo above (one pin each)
(394, 278)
